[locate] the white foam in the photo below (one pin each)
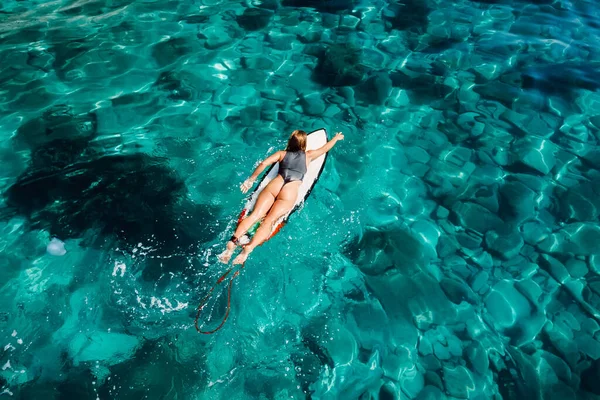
(165, 305)
(119, 267)
(56, 247)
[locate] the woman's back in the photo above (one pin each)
(293, 166)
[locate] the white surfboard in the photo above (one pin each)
(315, 140)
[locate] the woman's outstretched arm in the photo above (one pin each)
(272, 159)
(313, 154)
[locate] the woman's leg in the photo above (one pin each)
(284, 203)
(263, 204)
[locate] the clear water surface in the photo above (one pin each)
(451, 249)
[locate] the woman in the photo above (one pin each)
(279, 196)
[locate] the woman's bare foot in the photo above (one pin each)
(225, 256)
(241, 258)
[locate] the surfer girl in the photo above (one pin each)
(279, 196)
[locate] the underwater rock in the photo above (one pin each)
(251, 115)
(280, 41)
(471, 122)
(412, 381)
(59, 122)
(374, 90)
(393, 44)
(423, 87)
(577, 238)
(534, 152)
(506, 246)
(446, 177)
(457, 291)
(377, 251)
(266, 4)
(554, 267)
(496, 90)
(581, 202)
(112, 348)
(349, 22)
(481, 258)
(479, 283)
(441, 342)
(588, 346)
(506, 305)
(478, 358)
(340, 65)
(398, 98)
(67, 52)
(311, 34)
(313, 104)
(458, 381)
(216, 36)
(517, 202)
(183, 85)
(485, 195)
(254, 19)
(195, 19)
(447, 246)
(417, 154)
(324, 6)
(562, 78)
(407, 14)
(442, 212)
(590, 378)
(171, 50)
(475, 217)
(388, 392)
(577, 268)
(427, 233)
(431, 393)
(400, 366)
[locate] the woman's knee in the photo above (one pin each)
(255, 216)
(271, 220)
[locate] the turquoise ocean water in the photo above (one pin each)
(451, 249)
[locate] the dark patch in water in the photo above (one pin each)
(195, 19)
(171, 50)
(590, 378)
(254, 19)
(59, 122)
(339, 65)
(66, 51)
(155, 371)
(408, 14)
(182, 85)
(321, 5)
(562, 79)
(133, 198)
(424, 88)
(385, 393)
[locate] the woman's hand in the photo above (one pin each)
(338, 136)
(246, 185)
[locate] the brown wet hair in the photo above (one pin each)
(297, 141)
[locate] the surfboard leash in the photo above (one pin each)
(205, 299)
(222, 278)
